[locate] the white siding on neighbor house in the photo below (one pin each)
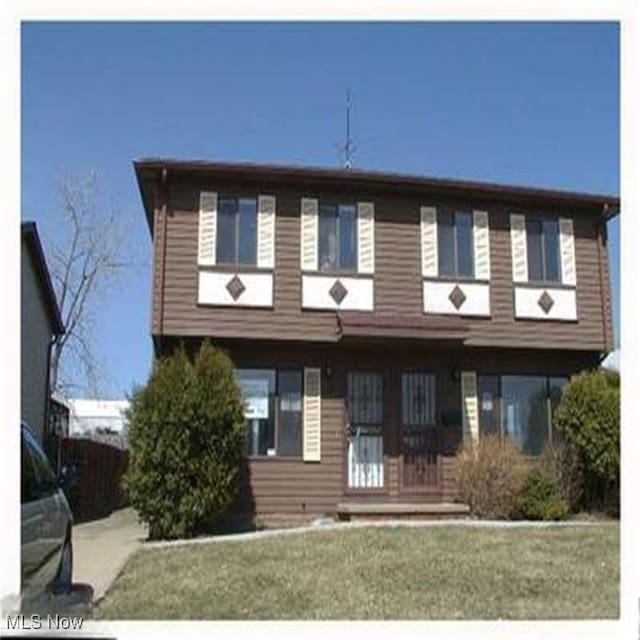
(35, 337)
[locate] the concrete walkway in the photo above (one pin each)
(329, 525)
(101, 547)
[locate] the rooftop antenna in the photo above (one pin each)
(349, 148)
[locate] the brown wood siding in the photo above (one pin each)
(292, 486)
(398, 281)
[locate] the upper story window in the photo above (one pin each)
(455, 244)
(337, 237)
(543, 250)
(236, 241)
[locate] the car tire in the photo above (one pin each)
(63, 580)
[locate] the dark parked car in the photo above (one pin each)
(47, 553)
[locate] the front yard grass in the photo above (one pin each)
(382, 573)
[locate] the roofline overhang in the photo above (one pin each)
(147, 170)
(30, 233)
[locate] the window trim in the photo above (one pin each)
(454, 211)
(277, 370)
(340, 270)
(545, 282)
(236, 264)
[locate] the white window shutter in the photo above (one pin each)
(429, 241)
(311, 416)
(519, 248)
(567, 251)
(481, 250)
(366, 240)
(309, 234)
(207, 228)
(470, 415)
(266, 231)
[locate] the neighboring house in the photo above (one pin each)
(101, 420)
(377, 320)
(40, 324)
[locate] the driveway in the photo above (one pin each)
(101, 547)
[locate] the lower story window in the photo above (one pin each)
(273, 411)
(521, 408)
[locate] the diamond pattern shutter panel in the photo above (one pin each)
(266, 231)
(470, 416)
(519, 248)
(366, 242)
(481, 251)
(429, 241)
(309, 234)
(207, 228)
(311, 416)
(567, 251)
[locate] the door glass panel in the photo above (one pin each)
(556, 387)
(526, 417)
(489, 400)
(418, 399)
(365, 455)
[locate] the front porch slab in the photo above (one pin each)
(401, 510)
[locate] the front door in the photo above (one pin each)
(365, 455)
(418, 434)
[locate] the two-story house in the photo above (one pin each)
(377, 320)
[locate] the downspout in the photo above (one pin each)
(604, 286)
(163, 217)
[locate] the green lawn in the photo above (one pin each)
(434, 573)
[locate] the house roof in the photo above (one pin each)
(150, 170)
(31, 237)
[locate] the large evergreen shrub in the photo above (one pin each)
(186, 438)
(589, 418)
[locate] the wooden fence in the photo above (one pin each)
(97, 490)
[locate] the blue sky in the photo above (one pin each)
(529, 103)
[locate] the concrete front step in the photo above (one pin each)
(401, 510)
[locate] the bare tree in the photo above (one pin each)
(87, 258)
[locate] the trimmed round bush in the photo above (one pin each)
(186, 439)
(540, 498)
(589, 419)
(490, 475)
